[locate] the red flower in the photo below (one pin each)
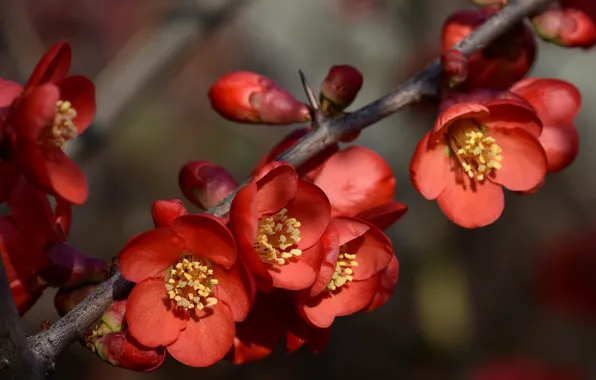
(472, 151)
(205, 184)
(355, 180)
(557, 103)
(564, 275)
(190, 289)
(350, 276)
(273, 318)
(499, 65)
(523, 369)
(248, 97)
(52, 109)
(278, 221)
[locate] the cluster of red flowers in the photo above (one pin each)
(299, 246)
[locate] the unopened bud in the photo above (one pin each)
(205, 184)
(165, 212)
(455, 67)
(70, 268)
(247, 97)
(121, 350)
(566, 27)
(340, 88)
(113, 317)
(490, 3)
(67, 298)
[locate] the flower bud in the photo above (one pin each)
(340, 87)
(205, 184)
(247, 97)
(500, 64)
(455, 67)
(165, 212)
(490, 3)
(67, 298)
(70, 268)
(566, 27)
(113, 317)
(121, 350)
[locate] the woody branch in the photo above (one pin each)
(47, 345)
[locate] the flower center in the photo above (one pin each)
(63, 127)
(190, 283)
(343, 270)
(276, 235)
(477, 153)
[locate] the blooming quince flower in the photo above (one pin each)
(190, 290)
(557, 103)
(278, 221)
(473, 151)
(350, 276)
(52, 109)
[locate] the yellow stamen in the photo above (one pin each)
(63, 128)
(343, 270)
(275, 235)
(189, 283)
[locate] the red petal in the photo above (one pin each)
(260, 333)
(300, 332)
(513, 113)
(356, 179)
(9, 177)
(524, 161)
(276, 186)
(385, 215)
(349, 229)
(35, 111)
(330, 244)
(80, 92)
(234, 289)
(472, 205)
(298, 273)
(312, 209)
(428, 169)
(164, 212)
(457, 112)
(561, 145)
(373, 253)
(387, 285)
(66, 178)
(32, 162)
(151, 318)
(52, 67)
(149, 254)
(243, 221)
(206, 340)
(21, 259)
(9, 91)
(32, 212)
(63, 216)
(206, 236)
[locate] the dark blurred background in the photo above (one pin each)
(463, 297)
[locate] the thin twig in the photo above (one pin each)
(48, 344)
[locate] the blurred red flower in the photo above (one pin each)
(278, 221)
(500, 64)
(557, 103)
(473, 151)
(52, 109)
(190, 289)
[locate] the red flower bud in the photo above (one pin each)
(566, 27)
(247, 97)
(113, 317)
(340, 87)
(205, 184)
(455, 66)
(70, 268)
(67, 298)
(500, 64)
(164, 212)
(121, 350)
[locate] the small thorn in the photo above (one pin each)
(312, 100)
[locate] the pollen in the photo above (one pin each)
(63, 128)
(277, 236)
(477, 153)
(190, 282)
(344, 269)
